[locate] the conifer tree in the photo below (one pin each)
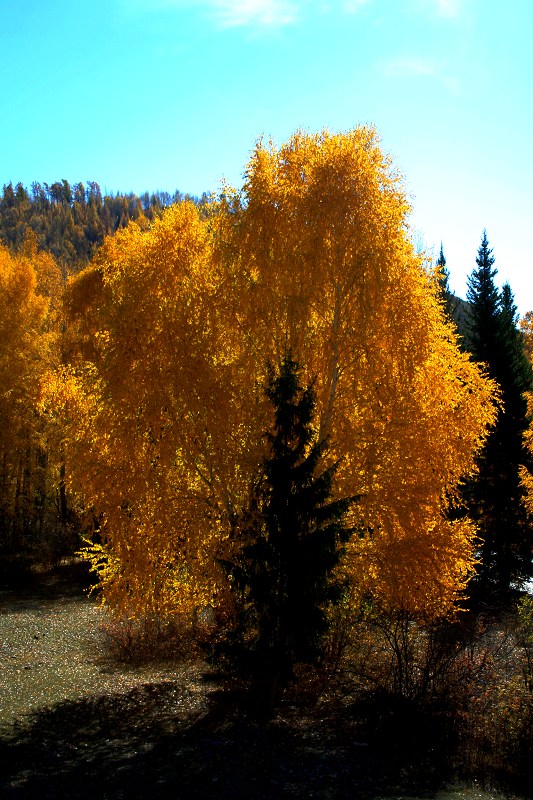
(484, 300)
(443, 274)
(496, 495)
(447, 297)
(291, 540)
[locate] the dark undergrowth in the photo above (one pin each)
(21, 575)
(203, 737)
(135, 745)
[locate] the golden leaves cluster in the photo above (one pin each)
(172, 327)
(28, 349)
(526, 478)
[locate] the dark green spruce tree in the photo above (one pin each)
(290, 540)
(443, 280)
(495, 497)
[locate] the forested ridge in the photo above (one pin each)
(264, 419)
(71, 221)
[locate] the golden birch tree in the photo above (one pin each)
(525, 475)
(175, 325)
(27, 351)
(526, 327)
(318, 242)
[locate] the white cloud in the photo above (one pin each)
(442, 8)
(265, 13)
(448, 8)
(232, 13)
(352, 6)
(271, 13)
(229, 13)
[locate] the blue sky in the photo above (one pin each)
(172, 94)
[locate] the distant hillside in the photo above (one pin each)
(71, 221)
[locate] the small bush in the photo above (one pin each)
(525, 639)
(405, 657)
(146, 640)
(464, 686)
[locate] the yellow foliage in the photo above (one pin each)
(177, 322)
(525, 475)
(526, 328)
(22, 313)
(27, 350)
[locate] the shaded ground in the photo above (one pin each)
(142, 744)
(77, 724)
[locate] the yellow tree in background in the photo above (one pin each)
(141, 404)
(28, 350)
(525, 474)
(526, 327)
(173, 326)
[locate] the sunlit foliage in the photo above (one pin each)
(172, 327)
(28, 349)
(525, 474)
(526, 327)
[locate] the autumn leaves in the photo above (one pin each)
(162, 403)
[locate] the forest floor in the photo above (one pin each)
(77, 722)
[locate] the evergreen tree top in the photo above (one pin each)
(482, 291)
(484, 253)
(441, 261)
(443, 275)
(485, 306)
(445, 294)
(508, 307)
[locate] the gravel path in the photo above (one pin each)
(54, 651)
(49, 652)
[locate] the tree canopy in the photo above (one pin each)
(176, 323)
(30, 284)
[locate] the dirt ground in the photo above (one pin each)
(77, 723)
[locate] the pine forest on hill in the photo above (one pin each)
(71, 222)
(270, 430)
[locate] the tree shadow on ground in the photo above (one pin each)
(160, 741)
